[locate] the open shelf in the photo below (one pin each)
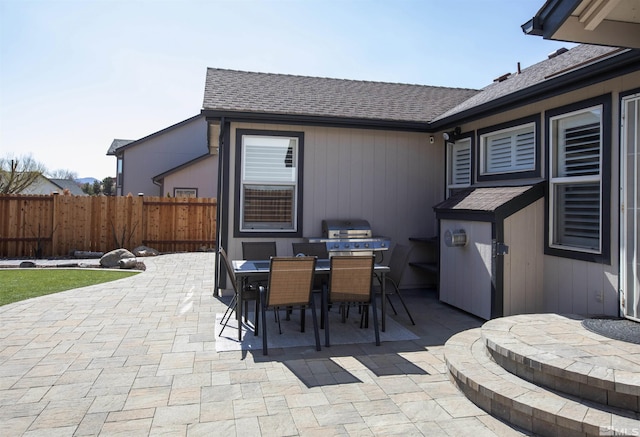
(429, 264)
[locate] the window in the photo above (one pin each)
(509, 150)
(119, 177)
(185, 192)
(578, 179)
(459, 165)
(269, 181)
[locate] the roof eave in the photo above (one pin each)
(244, 116)
(550, 18)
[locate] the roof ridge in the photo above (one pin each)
(302, 76)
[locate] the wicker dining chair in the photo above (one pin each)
(350, 281)
(248, 293)
(258, 250)
(290, 285)
(397, 265)
(318, 250)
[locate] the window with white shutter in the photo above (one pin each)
(269, 183)
(575, 180)
(459, 165)
(508, 150)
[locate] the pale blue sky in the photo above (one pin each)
(75, 74)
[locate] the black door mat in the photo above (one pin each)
(617, 329)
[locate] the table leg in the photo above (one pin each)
(384, 301)
(239, 307)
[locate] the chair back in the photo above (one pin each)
(398, 262)
(229, 268)
(290, 280)
(351, 278)
(255, 250)
(311, 249)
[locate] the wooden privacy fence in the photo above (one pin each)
(56, 225)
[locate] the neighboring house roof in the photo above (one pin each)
(116, 144)
(562, 72)
(607, 22)
(70, 185)
(163, 175)
(125, 144)
(287, 95)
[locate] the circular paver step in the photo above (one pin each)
(557, 352)
(525, 404)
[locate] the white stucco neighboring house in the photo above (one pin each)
(45, 186)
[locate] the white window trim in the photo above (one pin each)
(574, 180)
(464, 142)
(293, 183)
(178, 192)
(511, 130)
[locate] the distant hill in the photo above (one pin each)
(83, 181)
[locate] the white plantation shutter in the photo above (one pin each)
(269, 160)
(269, 182)
(578, 219)
(459, 167)
(581, 150)
(510, 150)
(575, 180)
(525, 156)
(462, 164)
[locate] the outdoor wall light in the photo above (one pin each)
(452, 135)
(455, 238)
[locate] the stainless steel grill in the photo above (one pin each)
(350, 237)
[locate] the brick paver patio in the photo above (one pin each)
(137, 357)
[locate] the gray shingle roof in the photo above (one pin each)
(68, 184)
(543, 71)
(486, 199)
(240, 91)
(115, 144)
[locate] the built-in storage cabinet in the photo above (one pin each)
(425, 256)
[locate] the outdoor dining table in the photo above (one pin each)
(248, 268)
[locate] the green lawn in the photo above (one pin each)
(20, 284)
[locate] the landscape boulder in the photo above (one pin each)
(112, 259)
(27, 264)
(128, 263)
(145, 251)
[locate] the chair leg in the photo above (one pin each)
(315, 323)
(278, 317)
(257, 318)
(375, 320)
(325, 312)
(227, 314)
(229, 309)
(393, 308)
(263, 305)
(402, 302)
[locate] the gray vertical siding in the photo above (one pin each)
(390, 178)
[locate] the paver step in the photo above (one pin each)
(524, 404)
(557, 352)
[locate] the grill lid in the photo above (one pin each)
(356, 228)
